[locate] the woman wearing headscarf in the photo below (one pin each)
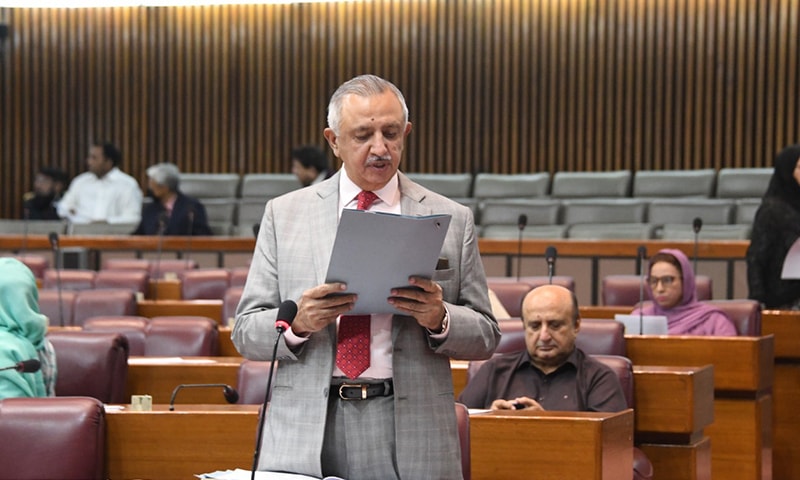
(671, 283)
(775, 228)
(22, 334)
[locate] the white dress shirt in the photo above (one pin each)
(114, 198)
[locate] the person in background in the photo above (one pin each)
(48, 187)
(776, 227)
(22, 334)
(310, 165)
(104, 193)
(671, 283)
(171, 212)
(396, 418)
(551, 373)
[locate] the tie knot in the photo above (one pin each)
(366, 199)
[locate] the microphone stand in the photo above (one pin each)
(263, 414)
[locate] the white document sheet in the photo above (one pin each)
(791, 264)
(375, 252)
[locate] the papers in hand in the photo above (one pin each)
(376, 252)
(791, 263)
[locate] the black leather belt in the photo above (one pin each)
(363, 391)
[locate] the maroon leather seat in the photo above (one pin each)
(204, 284)
(230, 302)
(170, 267)
(71, 279)
(137, 264)
(91, 364)
(182, 336)
(462, 418)
(744, 313)
(252, 381)
(134, 280)
(239, 276)
(53, 303)
(133, 327)
(56, 437)
(510, 294)
(624, 290)
(91, 303)
(37, 263)
(596, 336)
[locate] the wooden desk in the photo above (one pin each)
(741, 435)
(226, 348)
(164, 289)
(551, 445)
(158, 377)
(177, 445)
(673, 407)
(204, 308)
(785, 325)
(203, 438)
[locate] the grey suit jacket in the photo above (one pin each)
(292, 255)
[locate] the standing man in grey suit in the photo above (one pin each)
(401, 423)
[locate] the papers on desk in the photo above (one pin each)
(375, 252)
(240, 474)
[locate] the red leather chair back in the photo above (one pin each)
(91, 364)
(230, 302)
(134, 280)
(92, 303)
(52, 304)
(206, 283)
(601, 337)
(126, 264)
(56, 437)
(252, 381)
(170, 266)
(510, 295)
(182, 336)
(744, 313)
(624, 290)
(239, 276)
(37, 263)
(134, 328)
(71, 279)
(462, 417)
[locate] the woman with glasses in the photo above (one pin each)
(671, 284)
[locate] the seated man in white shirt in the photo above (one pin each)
(104, 193)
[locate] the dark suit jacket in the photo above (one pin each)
(178, 222)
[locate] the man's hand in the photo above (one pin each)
(319, 307)
(422, 300)
(519, 403)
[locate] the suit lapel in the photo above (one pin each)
(325, 219)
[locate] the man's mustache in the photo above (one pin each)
(374, 159)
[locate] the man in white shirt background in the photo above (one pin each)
(104, 193)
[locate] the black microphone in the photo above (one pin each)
(697, 224)
(25, 366)
(162, 226)
(231, 395)
(641, 254)
(287, 310)
(550, 255)
(522, 221)
(53, 237)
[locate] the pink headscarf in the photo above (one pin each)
(690, 317)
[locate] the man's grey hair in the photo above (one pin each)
(166, 174)
(363, 86)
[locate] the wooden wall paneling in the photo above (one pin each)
(512, 86)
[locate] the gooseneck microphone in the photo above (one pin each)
(230, 393)
(641, 254)
(522, 222)
(25, 366)
(53, 237)
(550, 255)
(162, 226)
(287, 310)
(697, 224)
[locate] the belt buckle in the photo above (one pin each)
(353, 385)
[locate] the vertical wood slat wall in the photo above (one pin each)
(493, 85)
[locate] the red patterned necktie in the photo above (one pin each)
(352, 350)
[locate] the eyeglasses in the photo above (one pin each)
(666, 281)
